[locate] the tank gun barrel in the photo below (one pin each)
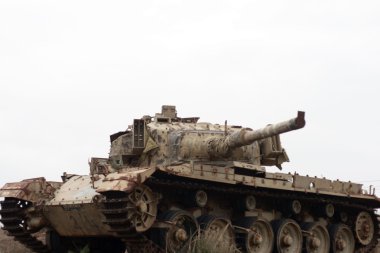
(223, 146)
(246, 137)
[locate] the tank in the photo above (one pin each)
(170, 184)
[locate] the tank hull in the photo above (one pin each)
(79, 208)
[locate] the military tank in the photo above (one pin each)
(170, 181)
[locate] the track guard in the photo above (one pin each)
(33, 190)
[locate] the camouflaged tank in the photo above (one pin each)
(171, 182)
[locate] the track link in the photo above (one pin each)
(141, 244)
(115, 210)
(13, 218)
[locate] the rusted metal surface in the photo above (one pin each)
(81, 219)
(125, 181)
(72, 211)
(77, 189)
(34, 189)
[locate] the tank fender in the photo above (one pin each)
(125, 181)
(34, 190)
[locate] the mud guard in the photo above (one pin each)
(34, 189)
(125, 181)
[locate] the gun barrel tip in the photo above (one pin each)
(301, 114)
(300, 121)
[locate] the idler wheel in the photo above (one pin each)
(342, 239)
(180, 232)
(256, 236)
(288, 236)
(364, 228)
(217, 230)
(317, 239)
(142, 208)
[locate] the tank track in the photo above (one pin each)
(13, 218)
(114, 209)
(173, 181)
(141, 244)
(372, 248)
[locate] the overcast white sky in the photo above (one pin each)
(74, 72)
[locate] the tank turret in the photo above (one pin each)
(151, 140)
